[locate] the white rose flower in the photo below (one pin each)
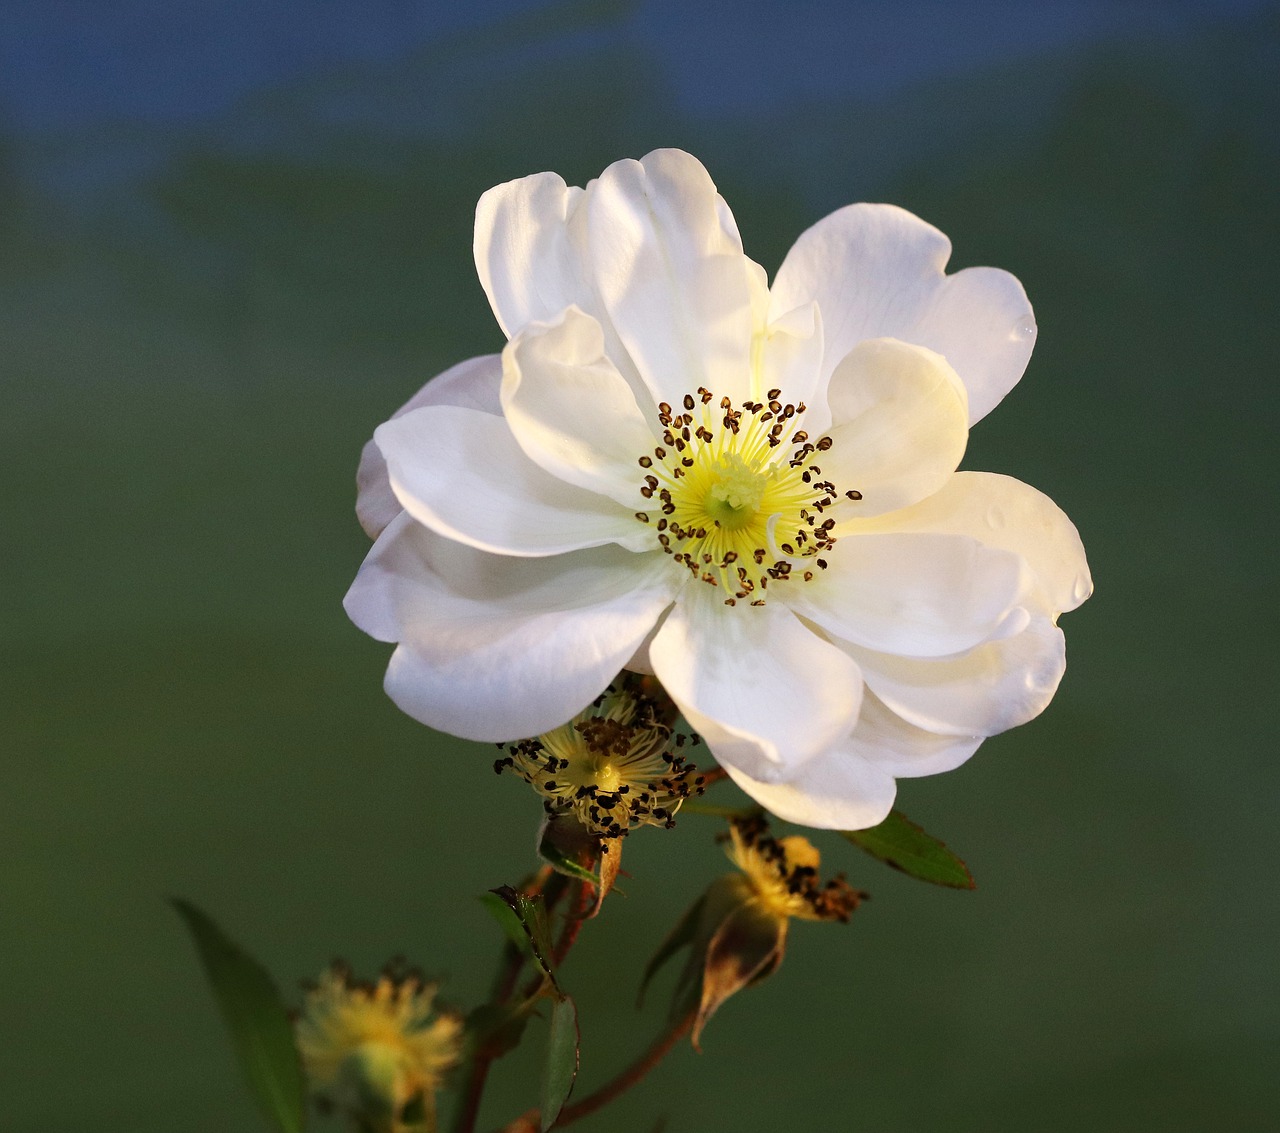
(749, 491)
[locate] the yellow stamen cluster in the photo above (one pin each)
(732, 510)
(348, 1028)
(784, 874)
(613, 766)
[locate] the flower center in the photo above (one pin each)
(615, 765)
(783, 873)
(739, 505)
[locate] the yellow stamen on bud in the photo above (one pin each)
(377, 1050)
(783, 872)
(614, 766)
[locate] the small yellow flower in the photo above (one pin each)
(376, 1050)
(783, 873)
(612, 766)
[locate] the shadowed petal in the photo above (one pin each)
(460, 472)
(765, 692)
(493, 647)
(473, 384)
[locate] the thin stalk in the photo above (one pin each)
(510, 963)
(616, 1086)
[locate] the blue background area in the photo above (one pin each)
(234, 237)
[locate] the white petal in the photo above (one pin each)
(990, 689)
(460, 472)
(903, 750)
(473, 383)
(1000, 511)
(671, 276)
(900, 425)
(571, 411)
(791, 360)
(494, 647)
(765, 692)
(527, 262)
(919, 595)
(837, 790)
(878, 271)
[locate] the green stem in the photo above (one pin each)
(510, 963)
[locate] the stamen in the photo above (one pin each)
(726, 495)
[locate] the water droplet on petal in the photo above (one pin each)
(1025, 328)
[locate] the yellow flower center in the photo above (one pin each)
(615, 766)
(783, 873)
(738, 505)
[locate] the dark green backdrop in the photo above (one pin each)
(188, 375)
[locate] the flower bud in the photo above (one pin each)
(377, 1051)
(737, 930)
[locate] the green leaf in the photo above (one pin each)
(258, 1022)
(494, 1029)
(561, 862)
(676, 939)
(561, 1066)
(524, 920)
(900, 843)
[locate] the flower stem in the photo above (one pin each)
(616, 1086)
(510, 964)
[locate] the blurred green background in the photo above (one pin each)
(205, 308)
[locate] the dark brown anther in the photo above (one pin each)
(853, 495)
(688, 401)
(646, 462)
(642, 516)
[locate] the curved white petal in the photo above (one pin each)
(671, 276)
(902, 749)
(765, 692)
(473, 383)
(460, 472)
(987, 690)
(1000, 511)
(493, 647)
(571, 411)
(527, 262)
(899, 425)
(921, 595)
(878, 271)
(837, 790)
(790, 350)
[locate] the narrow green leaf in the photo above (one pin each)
(561, 1066)
(494, 1029)
(524, 921)
(900, 843)
(558, 860)
(676, 939)
(256, 1019)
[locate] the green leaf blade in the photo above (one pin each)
(904, 846)
(560, 1070)
(256, 1019)
(524, 920)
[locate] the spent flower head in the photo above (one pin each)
(783, 873)
(378, 1051)
(615, 766)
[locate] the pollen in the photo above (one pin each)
(784, 874)
(740, 494)
(615, 766)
